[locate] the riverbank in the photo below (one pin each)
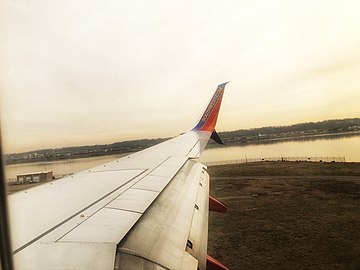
(128, 147)
(286, 215)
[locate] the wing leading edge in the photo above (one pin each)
(148, 210)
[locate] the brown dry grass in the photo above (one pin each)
(286, 215)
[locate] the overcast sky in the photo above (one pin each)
(94, 72)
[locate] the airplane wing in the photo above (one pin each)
(148, 210)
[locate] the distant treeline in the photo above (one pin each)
(81, 151)
(118, 147)
(254, 135)
(328, 126)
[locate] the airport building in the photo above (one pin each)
(34, 177)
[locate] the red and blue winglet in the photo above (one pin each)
(208, 120)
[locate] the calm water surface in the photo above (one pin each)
(332, 146)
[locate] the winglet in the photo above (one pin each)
(208, 120)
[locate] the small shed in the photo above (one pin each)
(34, 177)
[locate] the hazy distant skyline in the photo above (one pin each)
(91, 72)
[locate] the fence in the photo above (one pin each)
(248, 160)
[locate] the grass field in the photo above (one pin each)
(286, 215)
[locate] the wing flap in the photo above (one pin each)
(114, 225)
(152, 183)
(134, 200)
(198, 235)
(161, 234)
(169, 168)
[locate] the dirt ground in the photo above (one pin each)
(286, 215)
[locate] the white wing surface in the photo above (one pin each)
(148, 210)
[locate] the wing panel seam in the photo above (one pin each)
(144, 189)
(74, 215)
(125, 210)
(192, 147)
(148, 172)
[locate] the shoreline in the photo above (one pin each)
(265, 141)
(211, 145)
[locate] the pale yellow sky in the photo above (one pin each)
(93, 72)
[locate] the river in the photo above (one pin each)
(329, 146)
(326, 146)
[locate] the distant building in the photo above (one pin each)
(34, 177)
